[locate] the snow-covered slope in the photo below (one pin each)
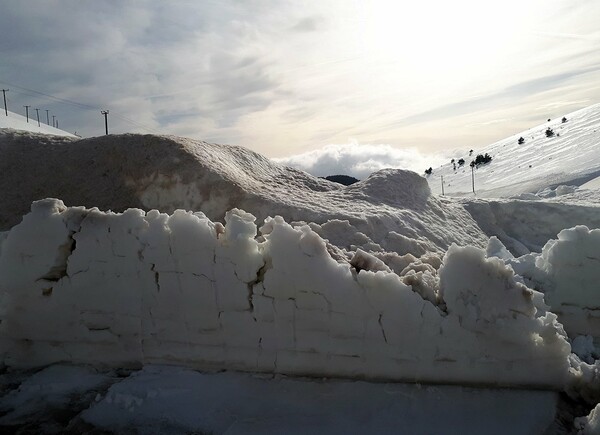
(570, 157)
(15, 121)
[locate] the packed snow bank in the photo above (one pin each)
(15, 121)
(392, 210)
(85, 286)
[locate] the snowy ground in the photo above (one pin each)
(160, 399)
(382, 280)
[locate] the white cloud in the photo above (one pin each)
(359, 160)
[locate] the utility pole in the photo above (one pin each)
(4, 91)
(442, 184)
(56, 122)
(105, 113)
(27, 112)
(47, 117)
(53, 116)
(38, 116)
(473, 177)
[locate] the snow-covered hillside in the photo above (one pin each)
(570, 157)
(270, 270)
(15, 121)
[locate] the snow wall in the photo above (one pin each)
(86, 286)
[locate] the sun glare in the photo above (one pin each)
(429, 35)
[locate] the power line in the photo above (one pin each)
(82, 106)
(53, 97)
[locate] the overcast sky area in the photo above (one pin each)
(391, 83)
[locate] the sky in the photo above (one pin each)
(317, 83)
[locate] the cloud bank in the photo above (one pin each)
(358, 160)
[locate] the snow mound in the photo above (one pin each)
(84, 286)
(394, 187)
(392, 209)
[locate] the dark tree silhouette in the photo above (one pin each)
(481, 159)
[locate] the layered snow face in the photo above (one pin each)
(85, 286)
(393, 210)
